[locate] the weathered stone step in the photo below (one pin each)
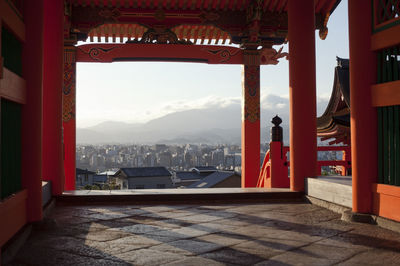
(162, 196)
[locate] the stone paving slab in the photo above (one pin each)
(220, 234)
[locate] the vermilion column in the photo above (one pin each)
(303, 135)
(68, 115)
(52, 94)
(32, 111)
(251, 119)
(363, 115)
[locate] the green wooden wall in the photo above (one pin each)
(11, 50)
(388, 121)
(10, 148)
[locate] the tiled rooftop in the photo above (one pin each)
(213, 234)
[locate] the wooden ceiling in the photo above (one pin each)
(198, 21)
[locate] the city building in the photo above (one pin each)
(219, 179)
(144, 178)
(84, 177)
(186, 178)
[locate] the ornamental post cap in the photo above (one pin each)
(276, 121)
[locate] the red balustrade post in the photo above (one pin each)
(279, 170)
(347, 159)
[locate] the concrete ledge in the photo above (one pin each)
(388, 224)
(46, 192)
(349, 216)
(333, 189)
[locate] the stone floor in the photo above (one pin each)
(223, 234)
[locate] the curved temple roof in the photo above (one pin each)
(335, 121)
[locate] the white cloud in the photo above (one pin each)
(269, 102)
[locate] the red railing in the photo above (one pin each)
(265, 173)
(274, 172)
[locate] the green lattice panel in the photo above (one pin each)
(387, 10)
(388, 66)
(11, 50)
(10, 148)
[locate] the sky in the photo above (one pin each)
(136, 92)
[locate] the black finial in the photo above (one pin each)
(276, 130)
(276, 121)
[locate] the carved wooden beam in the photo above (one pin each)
(107, 53)
(272, 27)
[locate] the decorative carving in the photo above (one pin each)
(110, 14)
(96, 51)
(68, 108)
(210, 16)
(160, 36)
(269, 56)
(225, 54)
(234, 22)
(251, 57)
(159, 15)
(254, 11)
(69, 84)
(253, 17)
(251, 91)
(67, 19)
(68, 78)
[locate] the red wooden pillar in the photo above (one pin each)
(302, 82)
(32, 111)
(53, 29)
(68, 115)
(251, 119)
(363, 115)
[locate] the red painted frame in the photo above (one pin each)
(107, 53)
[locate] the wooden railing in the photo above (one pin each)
(386, 14)
(275, 174)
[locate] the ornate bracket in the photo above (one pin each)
(96, 51)
(323, 31)
(269, 56)
(253, 17)
(224, 54)
(160, 36)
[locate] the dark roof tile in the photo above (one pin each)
(145, 171)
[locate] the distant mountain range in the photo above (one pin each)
(214, 125)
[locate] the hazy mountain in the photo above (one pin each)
(214, 124)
